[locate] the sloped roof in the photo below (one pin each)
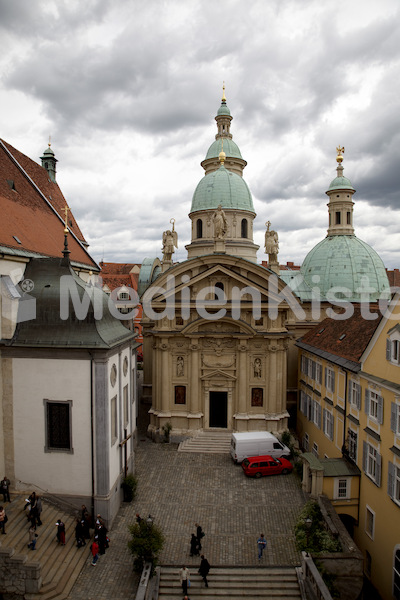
(116, 275)
(31, 208)
(346, 339)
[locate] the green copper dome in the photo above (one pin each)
(222, 187)
(223, 109)
(347, 262)
(230, 148)
(341, 183)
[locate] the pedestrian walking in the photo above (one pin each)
(5, 489)
(95, 551)
(261, 544)
(39, 509)
(102, 539)
(184, 578)
(60, 532)
(79, 534)
(204, 569)
(138, 518)
(194, 546)
(3, 520)
(199, 534)
(32, 538)
(86, 522)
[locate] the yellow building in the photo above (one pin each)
(349, 409)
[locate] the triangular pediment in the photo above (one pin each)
(196, 274)
(218, 374)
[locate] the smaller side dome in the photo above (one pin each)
(223, 110)
(341, 183)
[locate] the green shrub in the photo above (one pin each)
(129, 485)
(166, 431)
(314, 538)
(146, 544)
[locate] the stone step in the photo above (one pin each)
(60, 565)
(213, 442)
(280, 583)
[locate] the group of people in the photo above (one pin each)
(204, 568)
(5, 490)
(101, 540)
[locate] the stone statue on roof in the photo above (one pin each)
(271, 244)
(170, 241)
(220, 224)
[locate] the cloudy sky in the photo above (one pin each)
(128, 91)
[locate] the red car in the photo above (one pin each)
(257, 466)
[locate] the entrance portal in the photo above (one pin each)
(219, 409)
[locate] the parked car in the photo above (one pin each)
(257, 466)
(256, 443)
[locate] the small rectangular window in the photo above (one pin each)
(315, 449)
(58, 426)
(342, 488)
(257, 396)
(370, 522)
(180, 394)
(337, 218)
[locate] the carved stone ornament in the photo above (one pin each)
(222, 362)
(180, 366)
(113, 375)
(125, 365)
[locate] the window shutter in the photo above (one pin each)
(380, 410)
(365, 456)
(326, 375)
(367, 401)
(358, 397)
(331, 427)
(319, 415)
(391, 474)
(388, 349)
(393, 417)
(378, 469)
(349, 390)
(333, 380)
(313, 370)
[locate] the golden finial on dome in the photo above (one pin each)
(340, 152)
(222, 155)
(49, 141)
(223, 92)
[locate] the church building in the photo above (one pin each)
(215, 356)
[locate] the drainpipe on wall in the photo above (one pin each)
(92, 431)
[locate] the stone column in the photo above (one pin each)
(242, 388)
(272, 387)
(164, 376)
(194, 379)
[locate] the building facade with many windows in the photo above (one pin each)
(349, 409)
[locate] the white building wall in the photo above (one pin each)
(54, 379)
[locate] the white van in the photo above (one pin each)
(256, 443)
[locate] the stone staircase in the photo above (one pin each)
(233, 583)
(57, 566)
(213, 442)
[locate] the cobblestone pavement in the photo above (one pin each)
(179, 489)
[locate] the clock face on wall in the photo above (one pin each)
(125, 367)
(113, 375)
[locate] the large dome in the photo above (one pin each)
(347, 262)
(222, 187)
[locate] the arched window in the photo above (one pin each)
(220, 286)
(244, 228)
(199, 226)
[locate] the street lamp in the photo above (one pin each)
(308, 524)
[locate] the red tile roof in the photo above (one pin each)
(119, 274)
(394, 277)
(347, 339)
(37, 222)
